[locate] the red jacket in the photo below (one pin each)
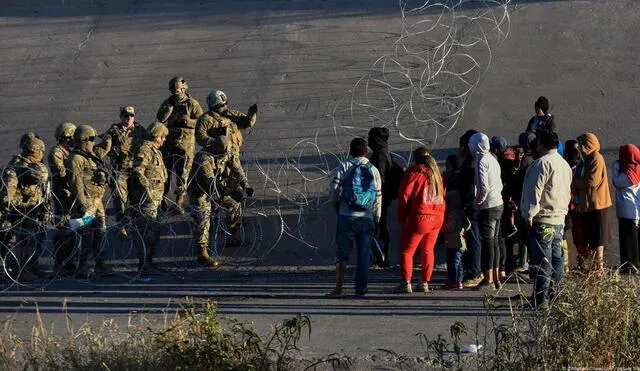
(414, 196)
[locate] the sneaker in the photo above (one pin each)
(498, 285)
(472, 282)
(101, 269)
(512, 232)
(485, 286)
(403, 288)
(336, 293)
(360, 294)
(422, 287)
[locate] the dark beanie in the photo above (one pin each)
(543, 104)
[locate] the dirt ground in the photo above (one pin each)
(302, 62)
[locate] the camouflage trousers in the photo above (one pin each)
(178, 162)
(145, 228)
(92, 234)
(121, 194)
(22, 242)
(202, 208)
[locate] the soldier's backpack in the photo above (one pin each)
(359, 187)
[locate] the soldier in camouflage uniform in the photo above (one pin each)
(25, 204)
(87, 182)
(180, 112)
(205, 189)
(62, 201)
(226, 125)
(148, 177)
(126, 137)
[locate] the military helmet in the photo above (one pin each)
(84, 133)
(177, 82)
(30, 142)
(65, 130)
(157, 129)
(216, 97)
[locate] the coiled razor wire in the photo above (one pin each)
(418, 90)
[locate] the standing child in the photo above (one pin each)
(454, 227)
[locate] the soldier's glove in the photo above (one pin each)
(238, 195)
(249, 191)
(253, 109)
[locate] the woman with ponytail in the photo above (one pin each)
(626, 180)
(421, 209)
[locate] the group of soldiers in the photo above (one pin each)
(137, 164)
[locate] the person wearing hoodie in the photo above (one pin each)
(381, 158)
(421, 207)
(626, 180)
(590, 188)
(488, 202)
(544, 206)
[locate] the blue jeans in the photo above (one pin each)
(547, 256)
(474, 247)
(454, 265)
(359, 230)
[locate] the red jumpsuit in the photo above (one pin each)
(421, 215)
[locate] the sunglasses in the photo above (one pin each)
(128, 115)
(91, 139)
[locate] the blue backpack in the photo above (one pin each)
(359, 187)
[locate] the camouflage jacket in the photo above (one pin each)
(233, 120)
(148, 175)
(87, 176)
(205, 174)
(180, 118)
(25, 184)
(59, 180)
(124, 144)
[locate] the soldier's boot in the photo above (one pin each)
(204, 258)
(341, 268)
(233, 241)
(179, 202)
(101, 268)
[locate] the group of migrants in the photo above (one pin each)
(490, 198)
(137, 164)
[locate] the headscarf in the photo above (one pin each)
(629, 156)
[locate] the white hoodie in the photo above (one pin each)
(488, 183)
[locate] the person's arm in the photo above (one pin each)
(102, 149)
(534, 183)
(377, 207)
(165, 111)
(76, 182)
(593, 173)
(244, 121)
(335, 187)
(196, 112)
(56, 164)
(140, 163)
(482, 182)
(619, 179)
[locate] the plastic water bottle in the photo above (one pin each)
(79, 222)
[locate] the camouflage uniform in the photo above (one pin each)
(229, 144)
(180, 115)
(87, 183)
(25, 204)
(148, 177)
(62, 202)
(205, 188)
(123, 146)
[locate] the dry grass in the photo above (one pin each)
(195, 339)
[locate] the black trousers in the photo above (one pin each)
(629, 245)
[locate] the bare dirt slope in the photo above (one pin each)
(80, 60)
